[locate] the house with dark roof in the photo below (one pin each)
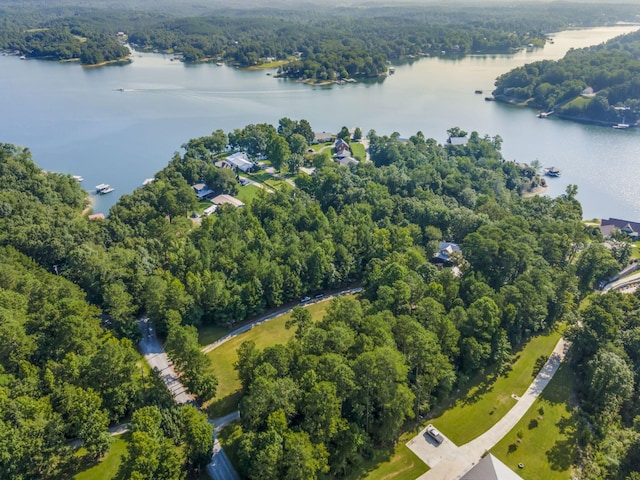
(202, 191)
(341, 146)
(445, 251)
(608, 226)
(490, 468)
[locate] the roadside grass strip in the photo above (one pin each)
(223, 358)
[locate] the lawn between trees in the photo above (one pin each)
(224, 357)
(474, 411)
(544, 439)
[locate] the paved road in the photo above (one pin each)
(156, 357)
(220, 467)
(449, 462)
(114, 431)
(277, 313)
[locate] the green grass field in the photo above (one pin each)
(247, 193)
(223, 357)
(487, 401)
(358, 151)
(402, 465)
(547, 444)
(108, 467)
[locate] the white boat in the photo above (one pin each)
(621, 126)
(22, 57)
(78, 178)
(552, 172)
(104, 188)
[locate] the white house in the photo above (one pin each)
(239, 161)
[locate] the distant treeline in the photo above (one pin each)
(326, 45)
(600, 83)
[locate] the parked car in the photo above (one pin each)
(320, 295)
(305, 299)
(434, 433)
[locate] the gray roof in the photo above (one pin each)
(490, 468)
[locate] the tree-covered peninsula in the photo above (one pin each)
(599, 84)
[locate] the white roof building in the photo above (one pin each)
(240, 161)
(226, 200)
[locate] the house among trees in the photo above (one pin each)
(346, 160)
(456, 141)
(226, 200)
(202, 191)
(239, 161)
(608, 226)
(490, 468)
(342, 146)
(445, 251)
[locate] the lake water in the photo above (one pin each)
(76, 120)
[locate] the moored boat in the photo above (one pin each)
(552, 172)
(104, 188)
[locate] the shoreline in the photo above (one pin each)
(534, 192)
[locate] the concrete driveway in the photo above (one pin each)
(449, 462)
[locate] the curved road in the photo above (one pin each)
(447, 461)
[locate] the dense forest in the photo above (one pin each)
(599, 83)
(315, 44)
(342, 387)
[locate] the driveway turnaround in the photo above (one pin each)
(447, 461)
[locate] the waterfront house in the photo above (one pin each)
(202, 191)
(608, 226)
(588, 92)
(239, 161)
(96, 216)
(341, 146)
(322, 137)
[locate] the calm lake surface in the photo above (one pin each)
(75, 120)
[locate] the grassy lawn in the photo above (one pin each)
(489, 399)
(319, 146)
(358, 151)
(108, 467)
(223, 357)
(546, 445)
(579, 102)
(402, 465)
(635, 250)
(259, 177)
(247, 193)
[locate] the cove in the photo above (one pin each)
(121, 124)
